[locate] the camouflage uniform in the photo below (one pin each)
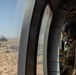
(70, 60)
(69, 36)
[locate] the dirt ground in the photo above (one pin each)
(8, 63)
(9, 60)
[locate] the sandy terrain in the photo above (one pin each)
(10, 41)
(9, 60)
(8, 63)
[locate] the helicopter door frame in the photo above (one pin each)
(30, 34)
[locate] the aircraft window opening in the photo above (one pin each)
(42, 43)
(11, 16)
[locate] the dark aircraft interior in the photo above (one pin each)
(61, 11)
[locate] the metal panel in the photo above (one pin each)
(53, 42)
(29, 37)
(24, 37)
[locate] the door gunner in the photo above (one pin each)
(69, 36)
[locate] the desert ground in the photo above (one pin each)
(9, 57)
(8, 63)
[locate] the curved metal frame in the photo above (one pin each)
(29, 37)
(30, 34)
(24, 37)
(45, 25)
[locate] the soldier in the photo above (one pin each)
(69, 36)
(69, 32)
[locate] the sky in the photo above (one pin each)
(11, 17)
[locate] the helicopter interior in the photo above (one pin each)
(60, 11)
